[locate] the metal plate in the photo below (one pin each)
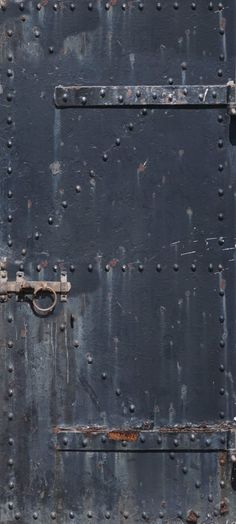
(136, 204)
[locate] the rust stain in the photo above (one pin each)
(132, 433)
(223, 458)
(142, 167)
(224, 507)
(129, 436)
(192, 517)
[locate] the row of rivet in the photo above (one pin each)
(176, 5)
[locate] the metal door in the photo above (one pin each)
(117, 278)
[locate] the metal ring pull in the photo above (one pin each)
(53, 296)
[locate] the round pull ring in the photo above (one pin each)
(53, 298)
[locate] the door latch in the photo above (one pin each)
(36, 288)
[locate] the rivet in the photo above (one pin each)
(170, 81)
(172, 455)
(142, 439)
(222, 367)
(72, 268)
(9, 32)
(84, 442)
(11, 484)
(9, 144)
(10, 441)
(221, 319)
(126, 514)
(220, 192)
(10, 416)
(36, 235)
(140, 268)
(64, 204)
(10, 505)
(220, 167)
(55, 7)
(123, 7)
(144, 515)
(78, 189)
(38, 268)
(159, 6)
(90, 360)
(104, 375)
(53, 515)
(220, 143)
(50, 220)
(118, 141)
(10, 392)
(222, 57)
(90, 6)
(17, 516)
(210, 498)
(10, 218)
(176, 442)
(214, 94)
(10, 462)
(89, 514)
(71, 515)
(105, 157)
(201, 97)
(35, 516)
(154, 96)
(222, 484)
(118, 392)
(144, 111)
(10, 368)
(38, 6)
(83, 100)
(210, 6)
(185, 469)
(124, 443)
(65, 97)
(208, 442)
(104, 439)
(131, 126)
(65, 441)
(220, 216)
(50, 49)
(176, 5)
(120, 98)
(193, 5)
(107, 6)
(158, 268)
(184, 66)
(222, 343)
(221, 241)
(9, 120)
(193, 267)
(175, 267)
(192, 437)
(220, 72)
(123, 268)
(9, 73)
(222, 414)
(138, 93)
(159, 439)
(9, 170)
(197, 484)
(107, 515)
(222, 31)
(90, 268)
(37, 33)
(72, 6)
(9, 97)
(107, 268)
(222, 391)
(161, 514)
(141, 6)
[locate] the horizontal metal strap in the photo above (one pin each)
(138, 96)
(189, 439)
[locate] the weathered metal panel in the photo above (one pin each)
(119, 404)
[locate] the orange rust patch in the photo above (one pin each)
(130, 436)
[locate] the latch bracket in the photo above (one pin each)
(36, 288)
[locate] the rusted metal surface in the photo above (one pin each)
(120, 405)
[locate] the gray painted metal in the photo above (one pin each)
(119, 404)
